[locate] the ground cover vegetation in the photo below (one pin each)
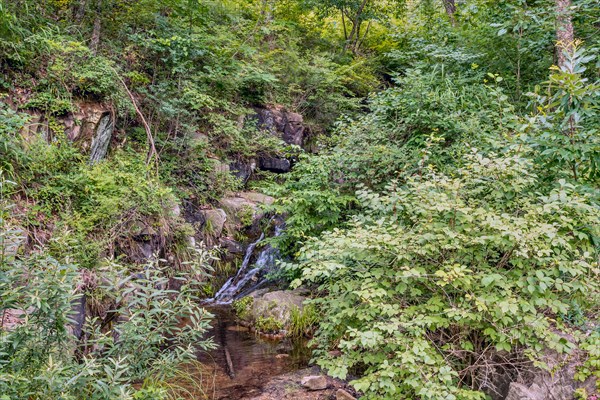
(444, 205)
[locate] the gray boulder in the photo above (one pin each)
(286, 125)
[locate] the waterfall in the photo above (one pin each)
(250, 275)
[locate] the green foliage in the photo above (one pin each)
(242, 307)
(442, 271)
(303, 321)
(268, 325)
(97, 204)
(41, 359)
(567, 125)
(12, 153)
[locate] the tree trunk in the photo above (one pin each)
(565, 38)
(355, 31)
(97, 27)
(79, 11)
(450, 7)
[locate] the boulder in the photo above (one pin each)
(314, 382)
(214, 221)
(257, 198)
(341, 394)
(277, 305)
(274, 164)
(231, 246)
(244, 207)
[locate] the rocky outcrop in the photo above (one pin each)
(90, 127)
(286, 125)
(289, 126)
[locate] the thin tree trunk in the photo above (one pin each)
(565, 38)
(80, 11)
(356, 21)
(97, 27)
(450, 7)
(344, 25)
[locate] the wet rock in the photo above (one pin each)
(314, 382)
(274, 164)
(341, 394)
(287, 387)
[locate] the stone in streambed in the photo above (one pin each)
(314, 382)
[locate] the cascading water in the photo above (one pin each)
(250, 275)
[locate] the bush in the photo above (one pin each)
(140, 338)
(436, 278)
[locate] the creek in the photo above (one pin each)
(245, 361)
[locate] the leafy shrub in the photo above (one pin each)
(42, 359)
(436, 277)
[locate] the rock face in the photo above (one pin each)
(274, 164)
(314, 382)
(287, 125)
(91, 127)
(518, 391)
(537, 384)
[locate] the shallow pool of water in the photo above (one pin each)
(244, 361)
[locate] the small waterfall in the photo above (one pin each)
(250, 275)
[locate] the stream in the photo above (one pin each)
(244, 361)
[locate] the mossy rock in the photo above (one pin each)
(269, 312)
